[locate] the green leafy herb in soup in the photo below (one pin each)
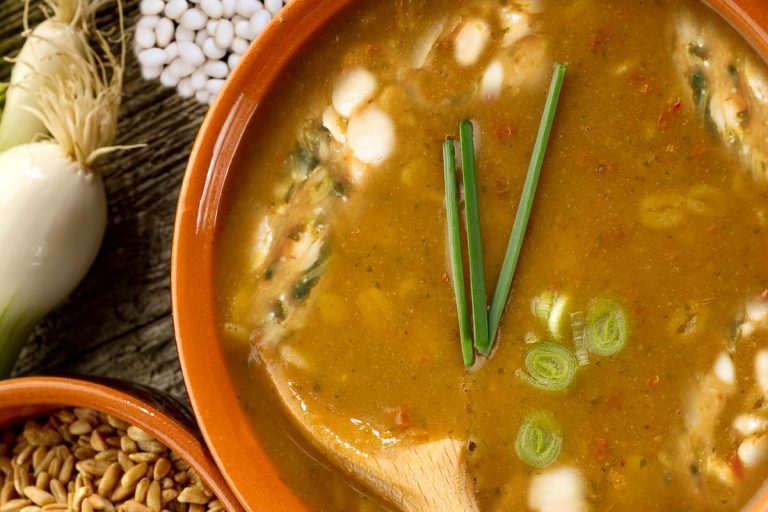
(630, 368)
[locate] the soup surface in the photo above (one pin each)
(333, 268)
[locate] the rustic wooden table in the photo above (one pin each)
(118, 322)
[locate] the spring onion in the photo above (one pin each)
(526, 203)
(474, 241)
(43, 54)
(454, 251)
(550, 366)
(552, 309)
(606, 327)
(52, 198)
(577, 330)
(539, 440)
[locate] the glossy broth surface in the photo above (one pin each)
(641, 200)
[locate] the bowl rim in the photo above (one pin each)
(254, 479)
(153, 412)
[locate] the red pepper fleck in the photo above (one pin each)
(667, 115)
(502, 132)
(401, 417)
(604, 168)
(736, 465)
(599, 40)
(600, 448)
(698, 150)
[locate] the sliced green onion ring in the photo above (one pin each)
(549, 366)
(539, 440)
(606, 327)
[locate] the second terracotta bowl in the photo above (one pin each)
(237, 449)
(155, 413)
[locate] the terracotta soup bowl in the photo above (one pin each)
(155, 413)
(236, 448)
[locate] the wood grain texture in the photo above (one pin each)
(118, 322)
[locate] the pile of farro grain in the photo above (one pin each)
(84, 460)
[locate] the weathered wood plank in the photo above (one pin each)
(117, 323)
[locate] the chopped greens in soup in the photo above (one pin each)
(630, 369)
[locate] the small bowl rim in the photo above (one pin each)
(34, 394)
(254, 478)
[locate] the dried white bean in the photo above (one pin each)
(163, 32)
(216, 69)
(761, 370)
(243, 30)
(148, 7)
(273, 6)
(232, 60)
(239, 45)
(203, 96)
(193, 19)
(198, 79)
(228, 7)
(211, 50)
(191, 53)
(152, 57)
(210, 27)
(144, 37)
(352, 90)
(185, 88)
(371, 135)
(175, 8)
(148, 21)
(247, 8)
(471, 41)
(171, 52)
(184, 34)
(151, 72)
(724, 369)
(180, 68)
(212, 8)
(214, 85)
(224, 34)
(200, 37)
(258, 21)
(168, 79)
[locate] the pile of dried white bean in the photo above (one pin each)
(82, 460)
(194, 44)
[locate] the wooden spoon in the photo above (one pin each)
(415, 475)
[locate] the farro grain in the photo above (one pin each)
(38, 496)
(110, 478)
(154, 497)
(97, 441)
(15, 505)
(137, 434)
(128, 445)
(143, 457)
(124, 461)
(42, 480)
(193, 494)
(65, 473)
(58, 491)
(132, 476)
(142, 488)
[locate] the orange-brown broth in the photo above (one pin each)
(381, 332)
